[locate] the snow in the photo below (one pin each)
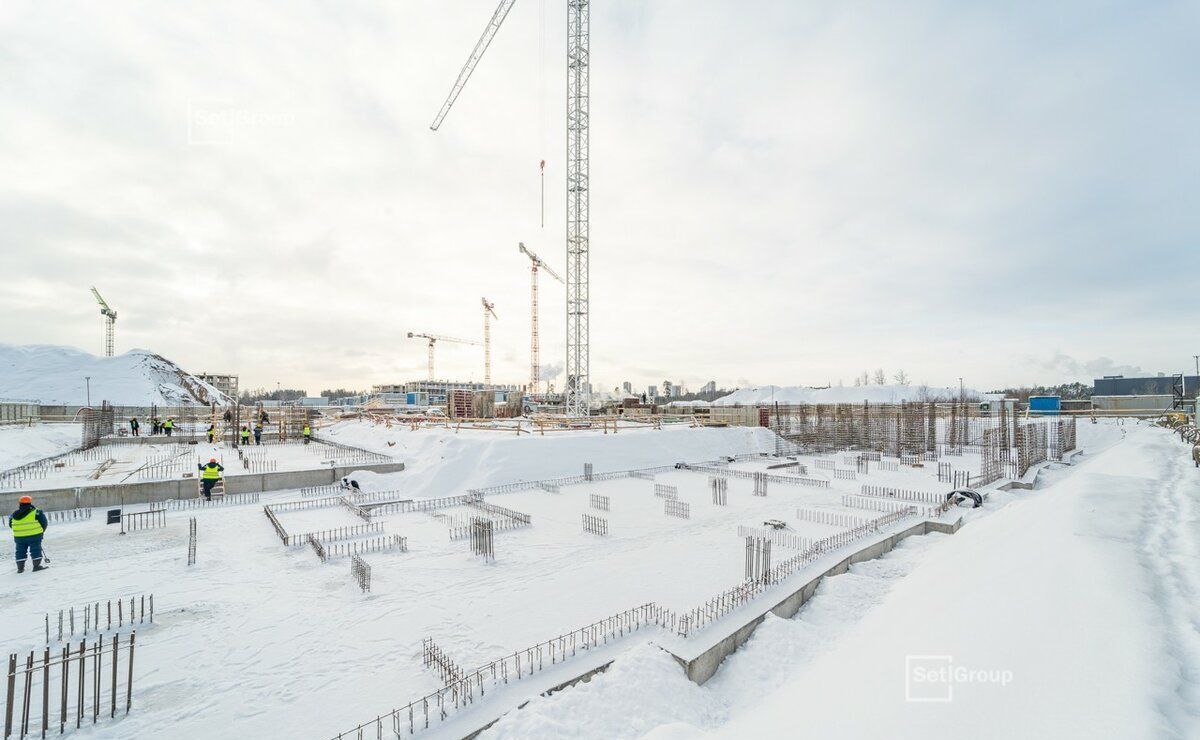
(53, 374)
(20, 444)
(1073, 604)
(855, 394)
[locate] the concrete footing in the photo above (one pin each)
(54, 499)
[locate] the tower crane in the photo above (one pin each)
(434, 339)
(578, 372)
(488, 315)
(110, 321)
(534, 350)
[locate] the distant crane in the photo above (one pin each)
(434, 339)
(488, 315)
(578, 366)
(534, 350)
(110, 322)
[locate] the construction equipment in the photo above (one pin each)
(534, 351)
(110, 317)
(578, 385)
(488, 315)
(435, 338)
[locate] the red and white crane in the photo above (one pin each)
(534, 350)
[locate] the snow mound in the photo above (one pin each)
(644, 670)
(856, 394)
(53, 374)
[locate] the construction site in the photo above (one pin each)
(483, 526)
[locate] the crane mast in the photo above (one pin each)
(488, 315)
(534, 348)
(578, 380)
(110, 321)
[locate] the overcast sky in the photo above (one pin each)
(782, 192)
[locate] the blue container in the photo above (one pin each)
(1045, 405)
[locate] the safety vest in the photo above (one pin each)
(28, 526)
(307, 431)
(245, 434)
(169, 424)
(211, 472)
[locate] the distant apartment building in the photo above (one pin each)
(652, 392)
(627, 387)
(227, 384)
(709, 387)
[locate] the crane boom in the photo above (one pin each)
(433, 339)
(489, 32)
(104, 309)
(539, 262)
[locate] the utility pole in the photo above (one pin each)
(1197, 359)
(87, 380)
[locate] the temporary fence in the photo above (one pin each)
(500, 511)
(136, 520)
(37, 673)
(191, 560)
(92, 619)
(361, 572)
(823, 463)
(229, 499)
(598, 501)
(595, 525)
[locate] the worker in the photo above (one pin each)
(28, 525)
(154, 425)
(169, 425)
(307, 433)
(258, 433)
(1196, 454)
(134, 426)
(245, 435)
(212, 433)
(262, 417)
(209, 475)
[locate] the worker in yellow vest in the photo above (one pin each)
(307, 433)
(28, 526)
(169, 426)
(209, 475)
(245, 435)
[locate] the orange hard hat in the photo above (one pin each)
(26, 499)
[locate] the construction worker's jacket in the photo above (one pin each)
(212, 471)
(169, 424)
(245, 434)
(307, 432)
(27, 522)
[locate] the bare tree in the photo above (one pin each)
(901, 377)
(857, 381)
(880, 377)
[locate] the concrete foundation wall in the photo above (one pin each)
(55, 499)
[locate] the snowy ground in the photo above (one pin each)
(1072, 608)
(20, 444)
(287, 628)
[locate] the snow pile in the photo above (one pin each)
(53, 374)
(24, 444)
(643, 671)
(766, 394)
